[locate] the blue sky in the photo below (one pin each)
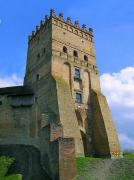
(113, 23)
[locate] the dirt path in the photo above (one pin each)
(102, 170)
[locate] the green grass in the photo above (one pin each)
(128, 154)
(5, 163)
(81, 163)
(97, 168)
(83, 167)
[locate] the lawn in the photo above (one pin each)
(105, 169)
(127, 154)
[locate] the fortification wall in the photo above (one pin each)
(57, 152)
(67, 115)
(14, 119)
(105, 138)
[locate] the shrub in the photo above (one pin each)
(5, 163)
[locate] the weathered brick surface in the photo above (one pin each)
(67, 166)
(57, 155)
(56, 132)
(103, 129)
(67, 115)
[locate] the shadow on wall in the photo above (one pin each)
(27, 161)
(84, 115)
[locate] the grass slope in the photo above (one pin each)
(105, 169)
(5, 163)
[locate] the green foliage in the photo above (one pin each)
(13, 177)
(5, 163)
(128, 154)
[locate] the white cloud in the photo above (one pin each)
(119, 87)
(12, 80)
(119, 90)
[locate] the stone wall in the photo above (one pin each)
(105, 140)
(67, 115)
(67, 165)
(14, 119)
(57, 154)
(63, 66)
(27, 161)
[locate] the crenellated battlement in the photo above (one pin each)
(43, 24)
(65, 24)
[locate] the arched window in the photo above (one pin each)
(85, 58)
(76, 32)
(75, 54)
(38, 56)
(78, 97)
(44, 50)
(94, 67)
(77, 73)
(37, 77)
(64, 49)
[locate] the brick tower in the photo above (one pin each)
(61, 69)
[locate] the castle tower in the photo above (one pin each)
(61, 69)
